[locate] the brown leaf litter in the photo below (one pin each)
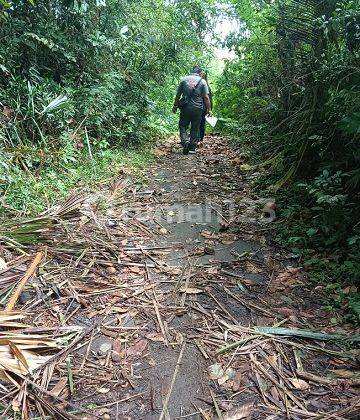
(116, 314)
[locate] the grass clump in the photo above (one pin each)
(29, 193)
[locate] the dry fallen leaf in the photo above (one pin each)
(155, 337)
(2, 263)
(252, 268)
(135, 269)
(237, 381)
(229, 374)
(111, 270)
(116, 351)
(103, 412)
(119, 310)
(103, 390)
(287, 312)
(273, 358)
(191, 291)
(243, 412)
(172, 271)
(137, 348)
(208, 235)
(161, 152)
(286, 279)
(346, 374)
(275, 393)
(59, 387)
(299, 383)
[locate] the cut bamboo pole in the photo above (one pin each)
(28, 274)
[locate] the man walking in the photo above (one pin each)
(192, 98)
(204, 75)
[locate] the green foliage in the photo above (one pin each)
(293, 97)
(29, 194)
(79, 75)
(98, 56)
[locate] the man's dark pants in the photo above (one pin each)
(190, 115)
(202, 125)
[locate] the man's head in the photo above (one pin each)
(197, 70)
(204, 75)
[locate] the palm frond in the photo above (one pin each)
(55, 104)
(37, 229)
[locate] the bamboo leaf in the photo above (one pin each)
(18, 354)
(295, 332)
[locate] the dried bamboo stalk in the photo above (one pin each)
(28, 274)
(177, 367)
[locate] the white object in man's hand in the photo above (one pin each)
(211, 120)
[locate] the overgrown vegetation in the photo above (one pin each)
(293, 96)
(82, 78)
(83, 82)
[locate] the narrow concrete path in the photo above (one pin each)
(211, 275)
(190, 203)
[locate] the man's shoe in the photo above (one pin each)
(186, 148)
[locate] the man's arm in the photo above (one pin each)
(207, 104)
(176, 102)
(206, 98)
(177, 98)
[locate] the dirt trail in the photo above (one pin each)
(218, 270)
(177, 271)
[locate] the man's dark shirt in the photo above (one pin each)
(187, 85)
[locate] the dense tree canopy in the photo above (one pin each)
(293, 97)
(100, 59)
(88, 73)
